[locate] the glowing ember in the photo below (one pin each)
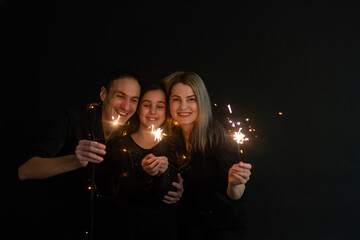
(229, 107)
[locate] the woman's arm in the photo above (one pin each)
(238, 176)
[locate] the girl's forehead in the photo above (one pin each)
(157, 95)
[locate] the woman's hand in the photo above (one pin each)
(173, 197)
(239, 175)
(154, 166)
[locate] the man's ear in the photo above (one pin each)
(103, 93)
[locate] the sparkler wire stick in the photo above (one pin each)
(92, 179)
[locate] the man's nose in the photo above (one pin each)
(125, 104)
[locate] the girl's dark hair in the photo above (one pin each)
(134, 120)
(117, 74)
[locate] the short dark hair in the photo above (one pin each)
(117, 74)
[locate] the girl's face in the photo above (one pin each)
(152, 109)
(183, 105)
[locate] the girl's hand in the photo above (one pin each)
(151, 164)
(164, 163)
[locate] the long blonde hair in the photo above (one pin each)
(206, 131)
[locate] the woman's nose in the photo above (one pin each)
(183, 105)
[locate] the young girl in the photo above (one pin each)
(215, 181)
(142, 170)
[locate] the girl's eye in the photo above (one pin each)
(175, 99)
(161, 106)
(146, 105)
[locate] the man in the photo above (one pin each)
(119, 95)
(61, 159)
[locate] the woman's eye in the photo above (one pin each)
(192, 99)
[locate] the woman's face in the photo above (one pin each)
(152, 109)
(183, 105)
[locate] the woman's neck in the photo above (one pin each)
(186, 131)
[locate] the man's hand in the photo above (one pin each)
(89, 151)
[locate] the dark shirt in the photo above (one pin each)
(205, 208)
(67, 196)
(130, 190)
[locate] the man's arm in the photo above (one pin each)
(40, 168)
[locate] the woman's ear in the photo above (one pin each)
(103, 94)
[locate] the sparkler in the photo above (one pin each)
(158, 133)
(114, 123)
(238, 136)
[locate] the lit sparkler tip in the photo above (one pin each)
(158, 134)
(239, 137)
(116, 122)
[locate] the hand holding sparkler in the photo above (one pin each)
(238, 176)
(239, 173)
(89, 151)
(154, 166)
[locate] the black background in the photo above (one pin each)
(262, 57)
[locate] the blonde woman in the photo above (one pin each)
(215, 181)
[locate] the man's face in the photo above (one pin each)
(120, 102)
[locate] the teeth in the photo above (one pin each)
(122, 114)
(184, 114)
(152, 119)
